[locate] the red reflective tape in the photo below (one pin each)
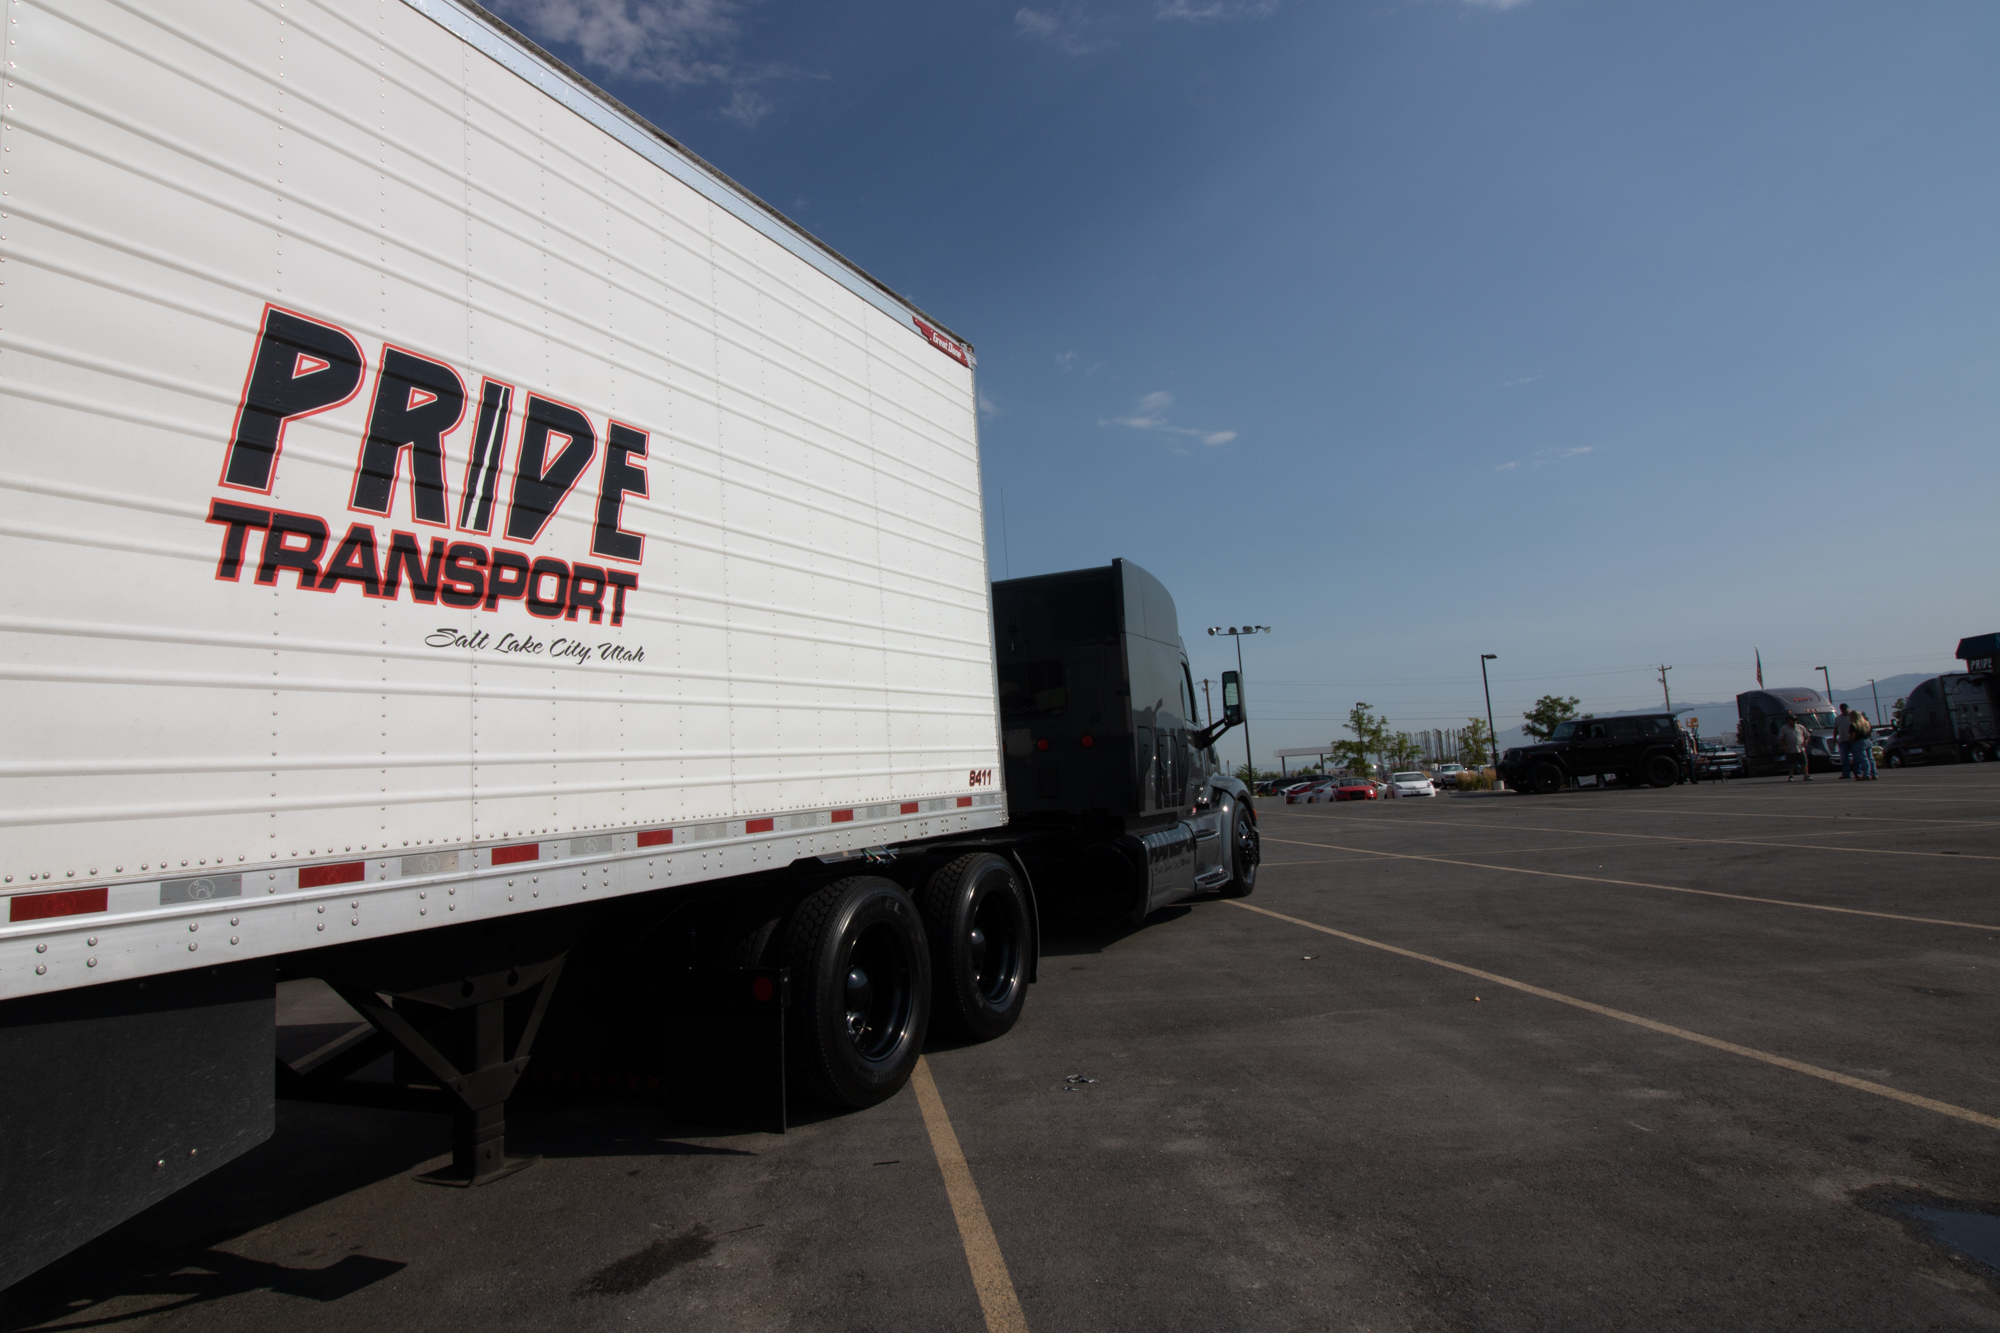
(346, 872)
(758, 825)
(909, 807)
(843, 816)
(520, 851)
(63, 902)
(964, 801)
(654, 837)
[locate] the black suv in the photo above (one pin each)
(1649, 748)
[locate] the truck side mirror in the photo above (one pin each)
(1232, 699)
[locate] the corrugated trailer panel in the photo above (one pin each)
(410, 453)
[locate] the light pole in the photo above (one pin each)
(1492, 736)
(1663, 687)
(1829, 682)
(1237, 633)
(1877, 695)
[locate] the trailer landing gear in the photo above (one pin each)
(450, 1035)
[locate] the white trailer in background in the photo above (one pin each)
(457, 539)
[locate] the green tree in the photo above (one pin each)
(1474, 744)
(1540, 721)
(1403, 751)
(1371, 737)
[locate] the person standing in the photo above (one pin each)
(1864, 747)
(1792, 738)
(1843, 732)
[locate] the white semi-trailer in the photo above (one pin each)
(458, 539)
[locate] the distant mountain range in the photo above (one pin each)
(1718, 720)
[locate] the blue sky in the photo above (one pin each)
(1592, 334)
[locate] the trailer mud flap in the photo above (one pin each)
(116, 1096)
(730, 1052)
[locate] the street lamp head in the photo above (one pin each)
(1489, 657)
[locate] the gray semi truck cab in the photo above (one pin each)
(1759, 715)
(1111, 773)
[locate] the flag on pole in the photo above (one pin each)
(1760, 667)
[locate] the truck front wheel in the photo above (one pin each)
(1546, 780)
(1246, 849)
(861, 983)
(1662, 770)
(975, 913)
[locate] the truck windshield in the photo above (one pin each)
(1033, 689)
(1815, 719)
(1563, 731)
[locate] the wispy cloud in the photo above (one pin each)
(1525, 379)
(1495, 5)
(1196, 11)
(987, 407)
(681, 43)
(1072, 31)
(1544, 457)
(746, 107)
(1151, 416)
(1066, 362)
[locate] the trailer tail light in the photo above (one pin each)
(520, 851)
(762, 990)
(909, 807)
(759, 825)
(1042, 744)
(1089, 741)
(964, 801)
(656, 837)
(63, 902)
(346, 872)
(843, 816)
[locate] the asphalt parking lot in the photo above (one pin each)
(1716, 1057)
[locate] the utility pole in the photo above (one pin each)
(1237, 633)
(1663, 687)
(1207, 704)
(1877, 696)
(1492, 736)
(1829, 683)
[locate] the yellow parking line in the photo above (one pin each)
(1664, 837)
(1651, 1025)
(982, 1248)
(1830, 819)
(1639, 884)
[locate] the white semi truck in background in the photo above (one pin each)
(464, 548)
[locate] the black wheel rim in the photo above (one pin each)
(994, 949)
(877, 995)
(1248, 848)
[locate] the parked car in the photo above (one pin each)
(1632, 748)
(1716, 760)
(1411, 784)
(1303, 793)
(1357, 789)
(1446, 775)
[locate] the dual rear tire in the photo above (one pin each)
(873, 970)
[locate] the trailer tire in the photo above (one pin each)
(1662, 770)
(1546, 780)
(1246, 850)
(976, 917)
(861, 992)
